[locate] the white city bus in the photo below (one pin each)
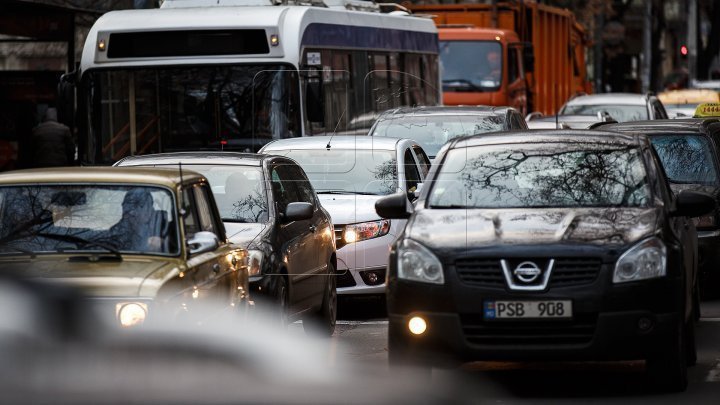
(235, 74)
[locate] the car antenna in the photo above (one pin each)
(335, 131)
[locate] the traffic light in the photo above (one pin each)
(684, 51)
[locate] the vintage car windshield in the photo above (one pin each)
(42, 218)
(433, 131)
(354, 171)
(541, 175)
(686, 158)
(620, 113)
(238, 190)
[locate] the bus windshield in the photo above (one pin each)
(471, 65)
(155, 109)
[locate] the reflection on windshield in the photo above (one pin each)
(559, 175)
(471, 65)
(433, 131)
(230, 107)
(239, 191)
(44, 218)
(686, 158)
(359, 171)
(620, 113)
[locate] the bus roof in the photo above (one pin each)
(295, 26)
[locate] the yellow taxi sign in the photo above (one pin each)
(708, 110)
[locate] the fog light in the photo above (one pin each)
(373, 278)
(417, 325)
(645, 324)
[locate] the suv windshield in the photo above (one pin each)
(686, 158)
(433, 131)
(353, 171)
(541, 175)
(620, 113)
(66, 218)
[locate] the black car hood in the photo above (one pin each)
(477, 228)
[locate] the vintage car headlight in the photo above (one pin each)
(366, 230)
(417, 263)
(255, 260)
(645, 260)
(131, 313)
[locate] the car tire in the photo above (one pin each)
(667, 370)
(322, 323)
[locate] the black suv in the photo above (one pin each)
(689, 150)
(562, 245)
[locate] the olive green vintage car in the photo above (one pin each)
(141, 243)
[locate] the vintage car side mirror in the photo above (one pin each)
(693, 204)
(298, 211)
(202, 242)
(396, 206)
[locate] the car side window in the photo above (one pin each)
(284, 186)
(190, 217)
(306, 193)
(423, 160)
(657, 173)
(659, 111)
(412, 176)
(513, 66)
(517, 121)
(205, 214)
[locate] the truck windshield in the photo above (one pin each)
(188, 108)
(471, 65)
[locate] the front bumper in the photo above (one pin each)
(606, 323)
(355, 262)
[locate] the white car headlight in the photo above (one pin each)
(366, 230)
(645, 260)
(131, 313)
(255, 259)
(417, 263)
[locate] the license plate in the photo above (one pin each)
(557, 309)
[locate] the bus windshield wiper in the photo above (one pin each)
(80, 241)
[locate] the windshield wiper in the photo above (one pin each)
(238, 220)
(451, 206)
(80, 241)
(461, 83)
(346, 192)
(21, 250)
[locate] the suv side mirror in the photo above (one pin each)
(298, 211)
(202, 242)
(693, 204)
(396, 206)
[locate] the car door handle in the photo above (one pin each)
(313, 228)
(216, 268)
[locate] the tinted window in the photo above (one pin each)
(686, 158)
(50, 218)
(239, 191)
(284, 187)
(359, 171)
(424, 160)
(620, 113)
(412, 176)
(433, 131)
(540, 175)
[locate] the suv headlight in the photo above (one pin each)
(417, 263)
(645, 260)
(255, 259)
(366, 230)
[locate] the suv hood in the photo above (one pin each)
(350, 208)
(460, 228)
(97, 279)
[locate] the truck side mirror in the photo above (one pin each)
(529, 58)
(314, 100)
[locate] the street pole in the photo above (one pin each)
(647, 46)
(692, 37)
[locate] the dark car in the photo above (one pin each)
(562, 245)
(432, 127)
(268, 206)
(689, 150)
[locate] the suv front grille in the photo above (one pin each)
(519, 332)
(567, 271)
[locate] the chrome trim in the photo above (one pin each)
(539, 287)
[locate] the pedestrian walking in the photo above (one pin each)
(52, 143)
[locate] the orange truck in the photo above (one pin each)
(523, 54)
